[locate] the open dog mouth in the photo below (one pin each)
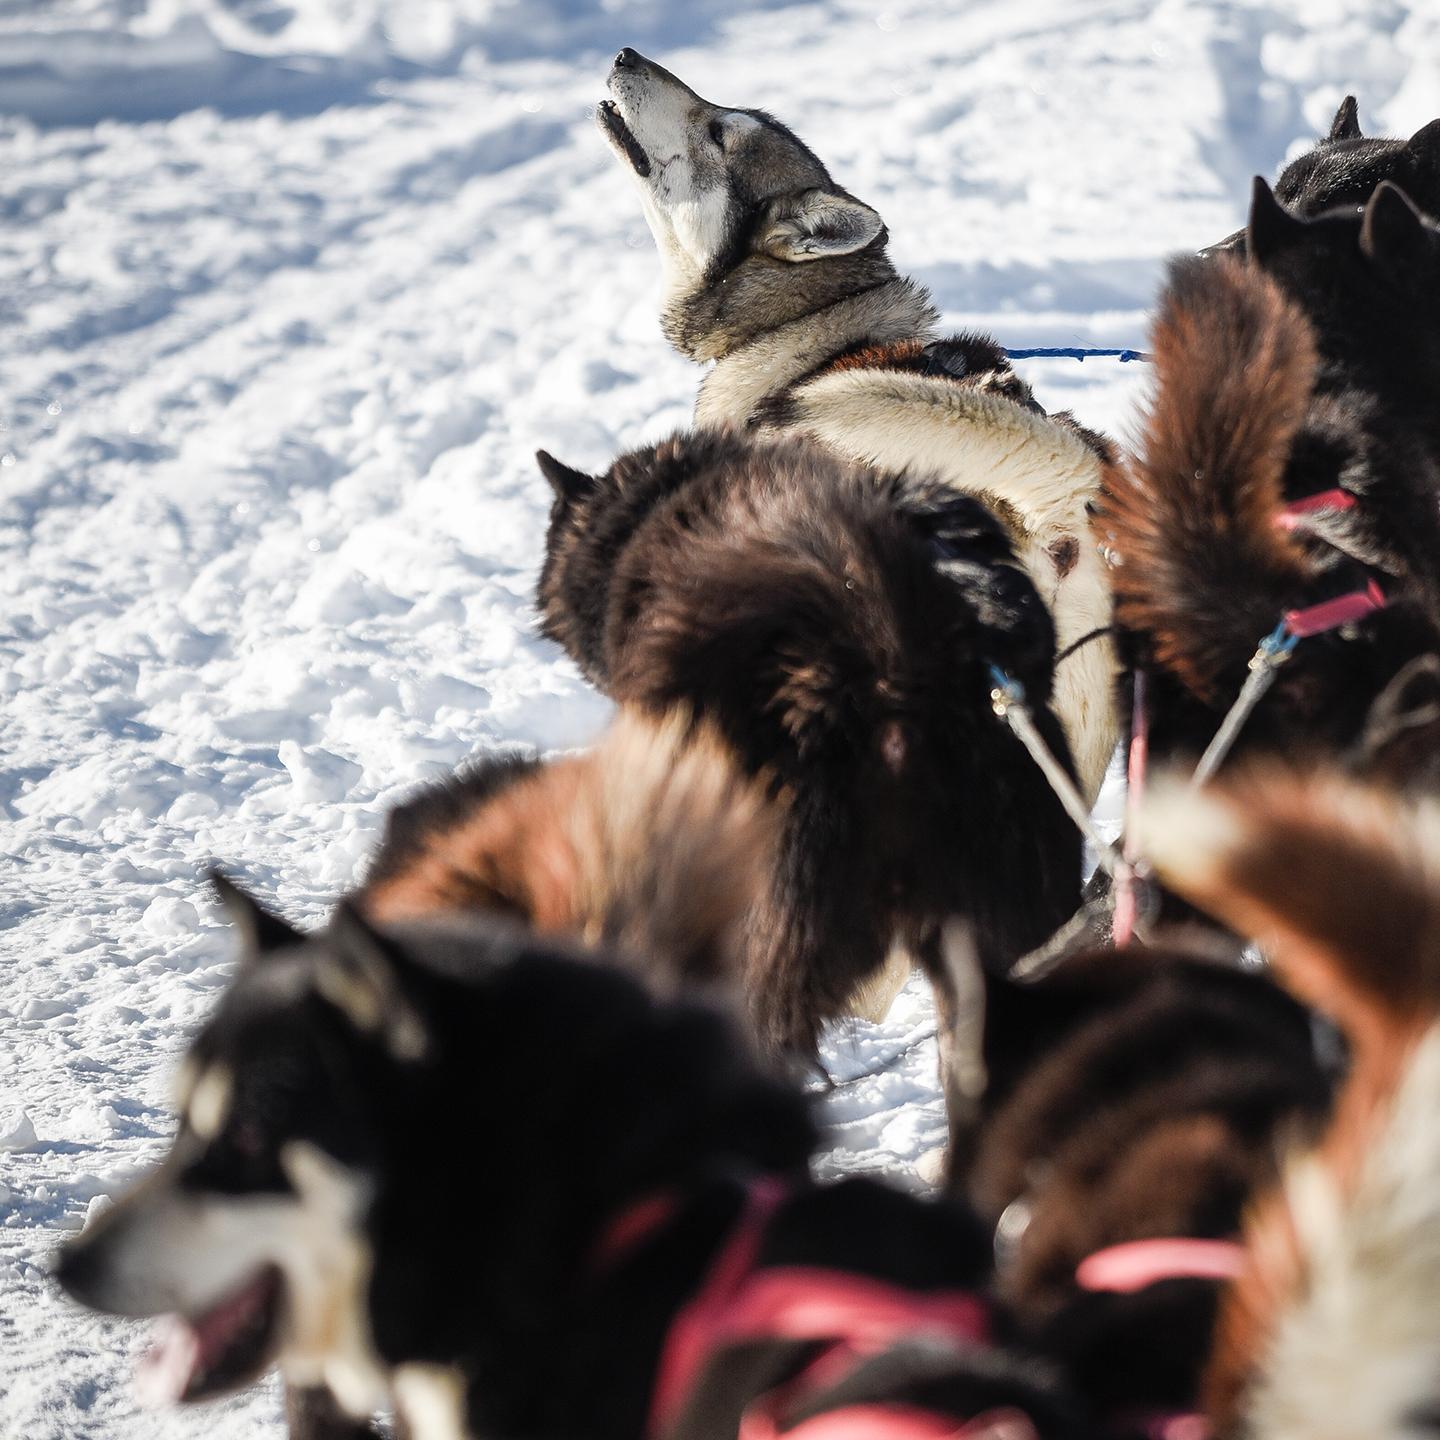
(616, 128)
(229, 1345)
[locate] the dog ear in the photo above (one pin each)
(1271, 225)
(359, 977)
(568, 484)
(816, 224)
(1346, 124)
(1424, 145)
(260, 930)
(1232, 244)
(1393, 229)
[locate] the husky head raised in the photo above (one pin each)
(738, 205)
(353, 1088)
(1344, 168)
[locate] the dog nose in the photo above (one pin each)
(627, 59)
(75, 1269)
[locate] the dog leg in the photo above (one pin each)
(312, 1414)
(951, 961)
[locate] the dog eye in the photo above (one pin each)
(247, 1139)
(717, 133)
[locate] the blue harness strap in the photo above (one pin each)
(1075, 352)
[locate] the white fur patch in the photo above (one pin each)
(1188, 834)
(1358, 1353)
(1042, 473)
(209, 1104)
(981, 442)
(740, 380)
(432, 1400)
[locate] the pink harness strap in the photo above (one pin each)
(1317, 619)
(893, 1422)
(1127, 882)
(853, 1315)
(1293, 515)
(1124, 1269)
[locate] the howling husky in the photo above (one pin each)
(781, 278)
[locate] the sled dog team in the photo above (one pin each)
(874, 629)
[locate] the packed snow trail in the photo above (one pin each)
(272, 378)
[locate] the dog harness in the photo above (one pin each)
(832, 1321)
(1134, 1265)
(1295, 625)
(1123, 1269)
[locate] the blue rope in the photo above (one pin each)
(1075, 352)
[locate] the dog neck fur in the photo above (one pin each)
(898, 309)
(329, 1278)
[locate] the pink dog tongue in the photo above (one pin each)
(184, 1352)
(168, 1366)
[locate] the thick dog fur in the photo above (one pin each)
(1131, 1095)
(837, 627)
(653, 846)
(1333, 1331)
(782, 279)
(1312, 367)
(1345, 168)
(320, 1100)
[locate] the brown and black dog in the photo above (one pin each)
(1133, 1106)
(1290, 460)
(653, 845)
(838, 627)
(1332, 1330)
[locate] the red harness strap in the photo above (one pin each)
(1293, 515)
(1316, 619)
(850, 1316)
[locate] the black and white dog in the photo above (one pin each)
(459, 1169)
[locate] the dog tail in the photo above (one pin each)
(653, 845)
(675, 847)
(1331, 1329)
(1204, 571)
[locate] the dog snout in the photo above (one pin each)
(78, 1270)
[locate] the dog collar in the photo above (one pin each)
(1124, 1269)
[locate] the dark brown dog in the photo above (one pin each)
(653, 845)
(838, 627)
(1331, 1330)
(1346, 167)
(1304, 377)
(1134, 1098)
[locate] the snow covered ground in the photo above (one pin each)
(291, 291)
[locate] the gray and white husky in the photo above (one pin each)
(781, 278)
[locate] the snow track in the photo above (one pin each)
(271, 378)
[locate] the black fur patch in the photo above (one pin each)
(1134, 1094)
(837, 626)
